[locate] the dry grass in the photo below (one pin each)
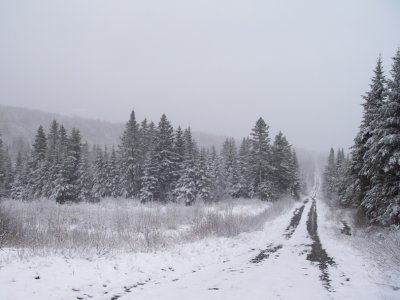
(43, 227)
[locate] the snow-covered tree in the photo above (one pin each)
(85, 176)
(382, 159)
(230, 166)
(282, 173)
(357, 178)
(260, 161)
(329, 176)
(165, 159)
(203, 178)
(131, 150)
(243, 187)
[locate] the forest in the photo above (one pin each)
(151, 163)
(369, 178)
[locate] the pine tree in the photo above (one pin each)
(295, 176)
(149, 180)
(179, 148)
(165, 158)
(63, 190)
(382, 159)
(260, 161)
(38, 166)
(2, 169)
(359, 181)
(230, 166)
(113, 175)
(243, 187)
(20, 182)
(185, 189)
(131, 150)
(329, 177)
(52, 160)
(100, 174)
(281, 162)
(203, 182)
(85, 176)
(218, 182)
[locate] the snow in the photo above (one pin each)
(212, 268)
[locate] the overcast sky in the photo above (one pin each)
(217, 65)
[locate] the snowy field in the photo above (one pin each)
(236, 250)
(117, 225)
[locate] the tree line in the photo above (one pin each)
(151, 163)
(370, 179)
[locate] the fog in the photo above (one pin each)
(215, 65)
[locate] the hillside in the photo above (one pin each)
(18, 127)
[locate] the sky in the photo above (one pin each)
(216, 65)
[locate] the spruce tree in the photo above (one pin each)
(203, 178)
(243, 187)
(260, 161)
(149, 180)
(217, 178)
(21, 176)
(85, 176)
(357, 178)
(165, 158)
(131, 150)
(382, 160)
(2, 169)
(281, 162)
(329, 176)
(230, 166)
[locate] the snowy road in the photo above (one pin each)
(301, 254)
(294, 264)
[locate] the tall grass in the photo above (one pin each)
(43, 227)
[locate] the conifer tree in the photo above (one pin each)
(243, 187)
(85, 176)
(295, 176)
(260, 161)
(203, 183)
(165, 159)
(113, 176)
(52, 159)
(329, 177)
(382, 160)
(230, 166)
(20, 182)
(149, 183)
(2, 169)
(218, 182)
(131, 157)
(357, 178)
(281, 161)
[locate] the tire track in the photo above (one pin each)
(318, 254)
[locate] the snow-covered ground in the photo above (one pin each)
(282, 261)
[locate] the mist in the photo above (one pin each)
(214, 65)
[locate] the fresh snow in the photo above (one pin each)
(213, 268)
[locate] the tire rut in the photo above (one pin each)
(318, 254)
(294, 222)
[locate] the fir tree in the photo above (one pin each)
(165, 159)
(203, 183)
(260, 161)
(281, 161)
(382, 159)
(131, 156)
(2, 169)
(359, 181)
(329, 177)
(85, 176)
(149, 184)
